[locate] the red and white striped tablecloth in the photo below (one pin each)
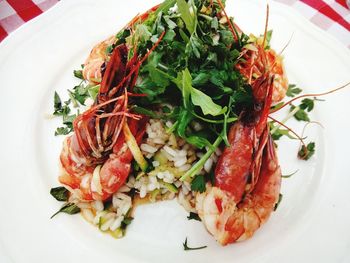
(332, 16)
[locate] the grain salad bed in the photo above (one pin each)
(170, 157)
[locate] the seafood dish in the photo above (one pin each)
(178, 105)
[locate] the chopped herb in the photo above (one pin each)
(59, 108)
(193, 216)
(280, 197)
(186, 247)
(198, 184)
(68, 208)
(293, 90)
(127, 221)
(57, 102)
(78, 74)
(62, 131)
(305, 153)
(279, 133)
(300, 115)
(60, 193)
(307, 104)
(290, 175)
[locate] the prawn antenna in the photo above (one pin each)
(290, 130)
(234, 33)
(311, 95)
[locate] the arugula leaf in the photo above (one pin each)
(169, 35)
(171, 24)
(165, 6)
(142, 33)
(195, 46)
(198, 184)
(68, 208)
(214, 24)
(193, 216)
(93, 91)
(293, 90)
(305, 153)
(186, 247)
(198, 141)
(185, 117)
(184, 82)
(187, 17)
(205, 102)
(60, 193)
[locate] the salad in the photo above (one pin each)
(178, 105)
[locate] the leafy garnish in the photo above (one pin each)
(127, 221)
(289, 175)
(305, 106)
(193, 216)
(305, 153)
(300, 115)
(62, 131)
(187, 17)
(186, 247)
(59, 108)
(60, 193)
(277, 133)
(207, 105)
(68, 208)
(198, 184)
(78, 74)
(280, 197)
(293, 90)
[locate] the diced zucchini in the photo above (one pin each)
(118, 233)
(134, 148)
(161, 158)
(171, 187)
(153, 195)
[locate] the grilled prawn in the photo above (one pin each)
(247, 175)
(91, 154)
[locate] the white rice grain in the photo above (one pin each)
(177, 183)
(148, 148)
(180, 161)
(158, 140)
(185, 167)
(88, 215)
(107, 224)
(218, 152)
(117, 223)
(170, 150)
(124, 189)
(155, 163)
(143, 191)
(168, 177)
(83, 205)
(98, 205)
(208, 164)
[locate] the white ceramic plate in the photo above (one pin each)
(312, 223)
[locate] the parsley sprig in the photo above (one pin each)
(187, 248)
